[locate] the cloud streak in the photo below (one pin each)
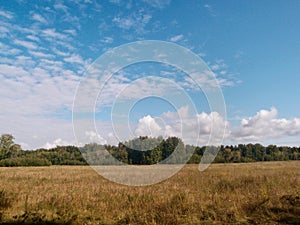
(6, 14)
(176, 38)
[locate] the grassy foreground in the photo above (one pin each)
(252, 193)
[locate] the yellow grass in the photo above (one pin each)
(253, 193)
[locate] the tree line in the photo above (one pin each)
(139, 151)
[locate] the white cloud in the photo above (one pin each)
(51, 33)
(225, 83)
(33, 38)
(6, 50)
(24, 61)
(75, 58)
(43, 83)
(146, 18)
(107, 40)
(124, 23)
(136, 21)
(60, 53)
(115, 1)
(218, 65)
(39, 18)
(4, 31)
(26, 44)
(262, 127)
(148, 86)
(12, 71)
(15, 29)
(207, 79)
(37, 131)
(147, 126)
(71, 31)
(61, 6)
(158, 3)
(57, 142)
(193, 129)
(40, 54)
(51, 65)
(266, 125)
(93, 137)
(37, 85)
(32, 103)
(176, 38)
(122, 89)
(210, 10)
(42, 88)
(6, 14)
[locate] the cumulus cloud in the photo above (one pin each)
(93, 137)
(40, 70)
(193, 129)
(266, 125)
(147, 126)
(57, 142)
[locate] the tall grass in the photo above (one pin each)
(254, 193)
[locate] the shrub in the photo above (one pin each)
(25, 162)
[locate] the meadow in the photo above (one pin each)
(249, 193)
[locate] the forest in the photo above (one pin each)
(139, 151)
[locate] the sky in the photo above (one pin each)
(250, 48)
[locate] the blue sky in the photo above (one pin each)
(252, 47)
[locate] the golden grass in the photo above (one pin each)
(253, 193)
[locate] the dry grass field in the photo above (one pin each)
(253, 193)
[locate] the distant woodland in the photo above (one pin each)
(139, 151)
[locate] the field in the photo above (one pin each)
(252, 193)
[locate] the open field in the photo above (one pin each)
(253, 193)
